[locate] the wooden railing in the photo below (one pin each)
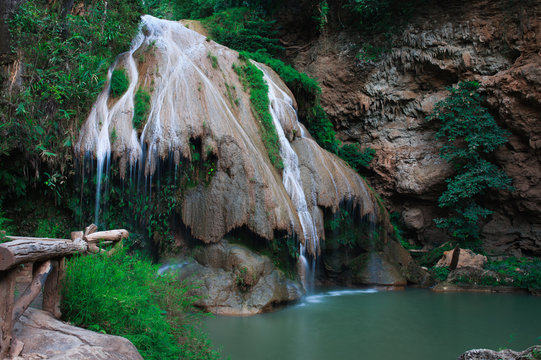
(48, 258)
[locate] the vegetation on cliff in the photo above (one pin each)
(469, 133)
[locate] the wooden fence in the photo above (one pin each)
(48, 258)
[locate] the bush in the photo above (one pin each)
(468, 132)
(524, 272)
(122, 295)
(119, 82)
(243, 29)
(141, 108)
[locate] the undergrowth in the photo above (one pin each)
(122, 295)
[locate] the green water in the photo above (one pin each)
(367, 324)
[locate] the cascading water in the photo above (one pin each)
(291, 177)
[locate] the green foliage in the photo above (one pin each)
(252, 78)
(440, 273)
(121, 295)
(119, 82)
(5, 225)
(380, 16)
(322, 10)
(356, 158)
(49, 228)
(213, 60)
(141, 106)
(65, 60)
(339, 225)
(523, 272)
(469, 133)
(243, 29)
(432, 257)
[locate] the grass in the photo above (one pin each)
(122, 295)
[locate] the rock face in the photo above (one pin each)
(382, 104)
(483, 354)
(44, 337)
(466, 258)
(232, 280)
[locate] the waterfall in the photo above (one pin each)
(194, 99)
(280, 104)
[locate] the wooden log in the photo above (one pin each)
(112, 235)
(52, 291)
(41, 271)
(29, 238)
(94, 249)
(17, 252)
(76, 235)
(90, 229)
(7, 290)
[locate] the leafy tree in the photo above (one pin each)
(469, 133)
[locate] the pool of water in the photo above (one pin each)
(413, 324)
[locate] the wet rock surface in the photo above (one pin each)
(232, 280)
(44, 337)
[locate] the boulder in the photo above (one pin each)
(44, 337)
(232, 280)
(531, 353)
(467, 258)
(373, 269)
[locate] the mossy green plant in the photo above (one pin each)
(119, 82)
(252, 79)
(141, 104)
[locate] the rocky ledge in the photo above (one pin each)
(532, 353)
(43, 337)
(232, 280)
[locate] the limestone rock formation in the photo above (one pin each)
(44, 337)
(484, 354)
(232, 280)
(200, 112)
(383, 103)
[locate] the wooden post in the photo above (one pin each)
(455, 258)
(7, 291)
(52, 291)
(41, 271)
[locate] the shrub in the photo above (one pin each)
(440, 273)
(141, 108)
(243, 29)
(119, 82)
(122, 295)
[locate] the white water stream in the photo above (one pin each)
(280, 105)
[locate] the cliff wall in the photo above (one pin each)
(383, 104)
